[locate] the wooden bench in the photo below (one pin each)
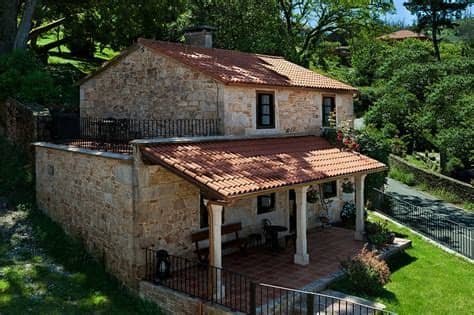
(203, 252)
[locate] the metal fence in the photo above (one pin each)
(456, 236)
(114, 135)
(239, 293)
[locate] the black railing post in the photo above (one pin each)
(309, 304)
(253, 298)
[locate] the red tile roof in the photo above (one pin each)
(233, 168)
(403, 34)
(235, 67)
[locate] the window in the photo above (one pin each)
(329, 106)
(265, 203)
(330, 190)
(265, 111)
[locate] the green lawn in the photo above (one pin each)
(425, 280)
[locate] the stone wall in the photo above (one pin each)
(147, 85)
(19, 123)
(296, 110)
(90, 196)
(167, 212)
(464, 190)
(172, 302)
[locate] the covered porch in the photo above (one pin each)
(326, 248)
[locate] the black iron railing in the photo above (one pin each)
(456, 236)
(239, 292)
(114, 135)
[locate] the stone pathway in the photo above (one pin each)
(429, 202)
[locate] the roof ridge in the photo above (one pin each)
(142, 39)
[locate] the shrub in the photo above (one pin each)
(366, 271)
(377, 233)
(348, 214)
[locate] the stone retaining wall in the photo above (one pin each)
(90, 196)
(172, 302)
(464, 190)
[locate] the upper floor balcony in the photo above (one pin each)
(115, 135)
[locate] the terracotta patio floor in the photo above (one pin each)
(326, 247)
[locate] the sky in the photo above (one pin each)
(402, 14)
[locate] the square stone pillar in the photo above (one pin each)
(360, 207)
(301, 256)
(215, 249)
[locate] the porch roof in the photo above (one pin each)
(230, 169)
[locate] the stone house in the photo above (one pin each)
(268, 157)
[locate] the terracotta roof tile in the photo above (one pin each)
(234, 67)
(403, 34)
(236, 167)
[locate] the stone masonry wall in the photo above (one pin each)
(90, 196)
(465, 190)
(172, 302)
(296, 110)
(167, 212)
(147, 85)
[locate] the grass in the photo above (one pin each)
(43, 270)
(424, 280)
(402, 176)
(86, 66)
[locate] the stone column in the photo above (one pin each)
(215, 249)
(301, 256)
(360, 205)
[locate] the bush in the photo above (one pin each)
(378, 233)
(366, 272)
(348, 214)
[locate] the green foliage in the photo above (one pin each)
(373, 143)
(367, 272)
(16, 174)
(402, 176)
(436, 15)
(378, 233)
(348, 214)
(24, 78)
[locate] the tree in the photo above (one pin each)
(308, 22)
(436, 15)
(13, 36)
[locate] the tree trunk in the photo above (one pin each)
(434, 33)
(25, 25)
(8, 15)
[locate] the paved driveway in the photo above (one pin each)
(422, 199)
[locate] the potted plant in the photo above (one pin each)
(347, 191)
(312, 196)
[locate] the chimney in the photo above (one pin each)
(199, 35)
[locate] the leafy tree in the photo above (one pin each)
(436, 15)
(14, 35)
(309, 22)
(246, 25)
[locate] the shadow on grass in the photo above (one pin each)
(62, 279)
(399, 261)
